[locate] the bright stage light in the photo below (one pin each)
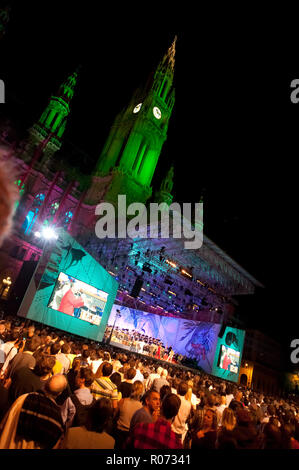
(49, 234)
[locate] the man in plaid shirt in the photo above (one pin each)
(158, 435)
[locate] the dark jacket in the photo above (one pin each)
(247, 437)
(24, 380)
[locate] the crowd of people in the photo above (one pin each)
(64, 392)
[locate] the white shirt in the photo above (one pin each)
(179, 423)
(220, 410)
(229, 399)
(150, 380)
(9, 353)
(95, 365)
(138, 376)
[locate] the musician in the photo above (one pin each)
(69, 301)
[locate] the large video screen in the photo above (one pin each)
(229, 359)
(228, 356)
(78, 299)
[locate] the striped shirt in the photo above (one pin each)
(103, 387)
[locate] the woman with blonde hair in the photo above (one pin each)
(205, 437)
(226, 435)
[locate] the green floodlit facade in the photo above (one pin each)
(53, 119)
(52, 122)
(131, 153)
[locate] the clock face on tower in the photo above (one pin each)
(137, 108)
(157, 112)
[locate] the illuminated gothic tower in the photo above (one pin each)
(53, 121)
(130, 156)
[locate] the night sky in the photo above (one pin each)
(231, 137)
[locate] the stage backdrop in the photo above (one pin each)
(193, 339)
(66, 256)
(228, 356)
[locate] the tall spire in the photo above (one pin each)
(55, 115)
(164, 193)
(52, 121)
(169, 57)
(66, 89)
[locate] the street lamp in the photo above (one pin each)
(6, 283)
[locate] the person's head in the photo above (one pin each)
(55, 385)
(31, 331)
(106, 369)
(93, 355)
(244, 418)
(65, 348)
(152, 401)
(44, 365)
(84, 377)
(137, 390)
(99, 415)
(130, 373)
(85, 354)
(160, 370)
(164, 373)
(2, 328)
(164, 390)
(106, 357)
(210, 419)
(14, 335)
(55, 349)
(170, 406)
(116, 378)
(229, 420)
(33, 343)
(211, 400)
(76, 363)
(238, 395)
(182, 388)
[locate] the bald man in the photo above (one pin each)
(55, 385)
(34, 419)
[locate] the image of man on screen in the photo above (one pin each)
(69, 301)
(225, 359)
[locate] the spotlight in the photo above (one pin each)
(48, 233)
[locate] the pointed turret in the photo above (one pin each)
(164, 193)
(55, 115)
(53, 121)
(163, 78)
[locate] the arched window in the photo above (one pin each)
(54, 207)
(32, 214)
(68, 216)
(21, 192)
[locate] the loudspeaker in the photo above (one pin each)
(22, 282)
(222, 330)
(137, 287)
